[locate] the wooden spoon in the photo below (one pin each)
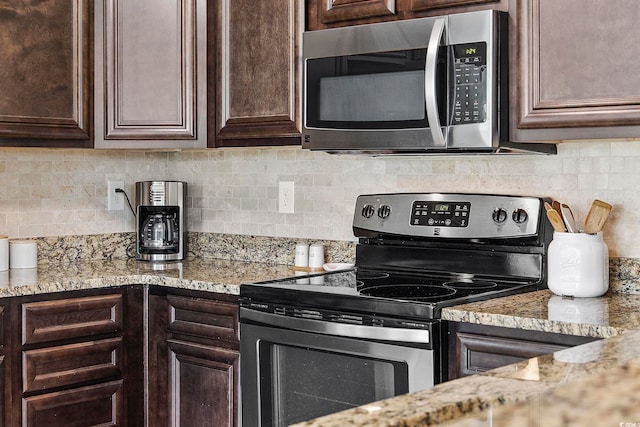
(554, 218)
(597, 216)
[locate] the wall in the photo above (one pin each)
(63, 192)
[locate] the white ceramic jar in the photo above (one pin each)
(578, 265)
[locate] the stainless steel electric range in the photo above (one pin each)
(314, 345)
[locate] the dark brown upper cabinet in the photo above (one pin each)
(254, 72)
(338, 13)
(46, 72)
(150, 74)
(573, 70)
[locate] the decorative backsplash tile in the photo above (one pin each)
(47, 192)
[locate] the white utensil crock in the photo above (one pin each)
(578, 265)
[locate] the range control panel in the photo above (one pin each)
(448, 215)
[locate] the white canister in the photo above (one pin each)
(4, 253)
(578, 265)
(301, 258)
(23, 254)
(316, 256)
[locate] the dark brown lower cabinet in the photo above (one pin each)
(130, 356)
(194, 358)
(478, 348)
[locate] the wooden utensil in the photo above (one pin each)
(554, 218)
(597, 216)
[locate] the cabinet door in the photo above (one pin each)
(202, 385)
(573, 70)
(193, 358)
(150, 75)
(45, 73)
(97, 405)
(254, 76)
(332, 11)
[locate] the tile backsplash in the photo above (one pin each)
(47, 192)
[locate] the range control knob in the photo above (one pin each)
(520, 216)
(384, 211)
(368, 211)
(499, 215)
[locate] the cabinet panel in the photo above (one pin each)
(72, 364)
(256, 71)
(346, 10)
(481, 353)
(573, 61)
(87, 406)
(151, 74)
(478, 348)
(201, 379)
(46, 321)
(209, 319)
(419, 5)
(45, 73)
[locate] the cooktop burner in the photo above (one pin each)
(409, 292)
(471, 284)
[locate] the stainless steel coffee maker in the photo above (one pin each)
(160, 214)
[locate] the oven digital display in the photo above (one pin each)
(440, 214)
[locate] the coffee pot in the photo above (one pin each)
(160, 212)
(160, 231)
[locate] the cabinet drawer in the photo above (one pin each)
(97, 405)
(46, 321)
(71, 364)
(214, 320)
(482, 353)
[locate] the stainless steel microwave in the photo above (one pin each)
(426, 85)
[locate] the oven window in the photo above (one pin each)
(306, 383)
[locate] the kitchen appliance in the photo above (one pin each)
(160, 215)
(318, 344)
(430, 85)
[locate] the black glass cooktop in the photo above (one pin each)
(382, 292)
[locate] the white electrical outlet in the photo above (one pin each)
(115, 201)
(285, 197)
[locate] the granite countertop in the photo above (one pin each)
(596, 381)
(599, 381)
(205, 274)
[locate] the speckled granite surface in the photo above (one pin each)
(597, 384)
(593, 384)
(517, 386)
(213, 275)
(606, 316)
(270, 250)
(624, 272)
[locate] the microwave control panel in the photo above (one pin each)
(470, 99)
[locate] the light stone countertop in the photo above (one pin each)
(593, 384)
(204, 274)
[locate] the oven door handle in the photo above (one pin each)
(408, 335)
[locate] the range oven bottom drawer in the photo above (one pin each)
(289, 376)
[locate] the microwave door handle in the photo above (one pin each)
(431, 102)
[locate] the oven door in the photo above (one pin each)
(372, 87)
(313, 368)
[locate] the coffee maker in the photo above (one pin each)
(160, 215)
